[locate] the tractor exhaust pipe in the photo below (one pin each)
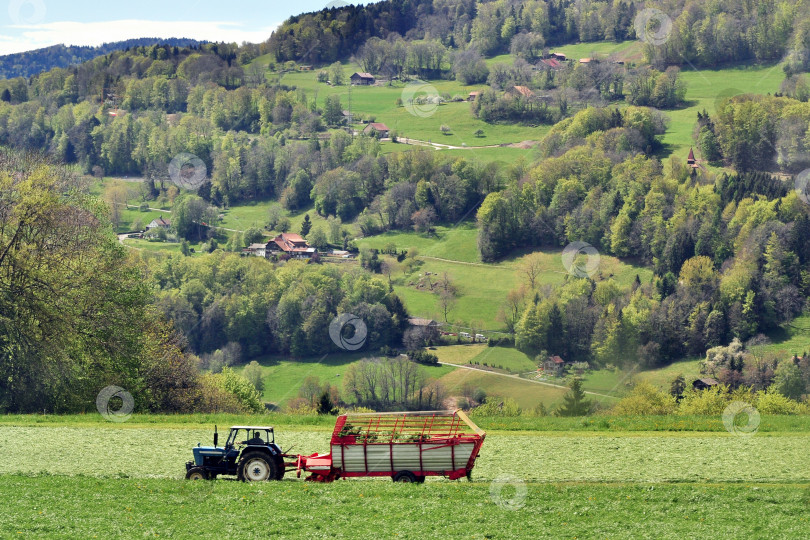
(216, 436)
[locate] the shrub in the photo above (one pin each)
(496, 407)
(300, 406)
(645, 399)
(242, 389)
(776, 403)
(423, 357)
(253, 373)
(214, 398)
(708, 402)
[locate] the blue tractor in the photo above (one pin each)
(250, 453)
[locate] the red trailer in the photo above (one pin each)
(407, 446)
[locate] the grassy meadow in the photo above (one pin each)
(567, 477)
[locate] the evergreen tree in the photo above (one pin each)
(306, 225)
(574, 402)
(324, 403)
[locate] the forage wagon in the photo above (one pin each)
(405, 446)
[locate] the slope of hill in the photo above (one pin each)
(28, 63)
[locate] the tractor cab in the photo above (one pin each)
(250, 436)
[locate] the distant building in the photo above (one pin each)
(159, 223)
(427, 329)
(257, 250)
(418, 321)
(691, 161)
(558, 56)
(520, 91)
(474, 95)
(377, 127)
(551, 63)
(362, 79)
(292, 245)
(704, 384)
(554, 365)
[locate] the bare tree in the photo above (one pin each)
(447, 300)
(531, 267)
(512, 308)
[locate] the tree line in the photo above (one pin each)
(704, 34)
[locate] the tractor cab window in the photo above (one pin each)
(251, 437)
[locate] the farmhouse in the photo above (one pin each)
(704, 384)
(520, 91)
(427, 329)
(558, 56)
(292, 245)
(159, 223)
(363, 79)
(473, 95)
(554, 365)
(425, 323)
(257, 250)
(378, 128)
(551, 63)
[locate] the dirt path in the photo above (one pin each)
(525, 380)
(131, 207)
(455, 262)
(440, 146)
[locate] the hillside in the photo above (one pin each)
(26, 64)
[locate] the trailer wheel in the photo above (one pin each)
(404, 476)
(257, 466)
(196, 473)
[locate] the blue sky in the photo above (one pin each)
(31, 24)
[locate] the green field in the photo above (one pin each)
(482, 287)
(380, 102)
(283, 377)
(704, 88)
(83, 478)
(89, 508)
(625, 50)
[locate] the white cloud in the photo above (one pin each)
(36, 36)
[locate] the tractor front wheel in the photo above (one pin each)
(404, 476)
(196, 473)
(257, 466)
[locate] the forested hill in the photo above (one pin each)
(28, 63)
(703, 33)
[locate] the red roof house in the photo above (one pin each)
(292, 245)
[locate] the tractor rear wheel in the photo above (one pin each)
(196, 473)
(404, 476)
(257, 466)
